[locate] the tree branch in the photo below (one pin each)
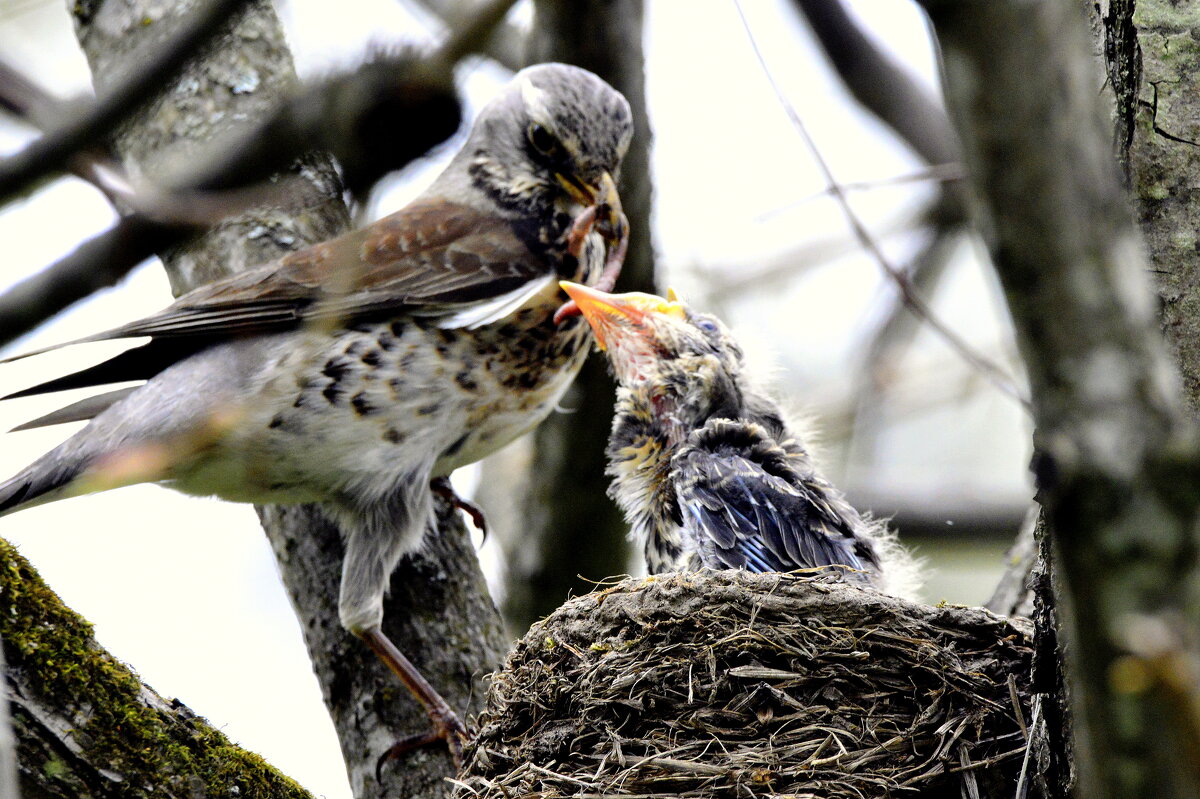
(882, 85)
(97, 263)
(50, 153)
(364, 117)
(505, 45)
(87, 726)
(912, 300)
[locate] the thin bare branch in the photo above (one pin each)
(52, 152)
(891, 337)
(383, 91)
(936, 173)
(97, 263)
(505, 44)
(23, 97)
(472, 32)
(912, 299)
(881, 84)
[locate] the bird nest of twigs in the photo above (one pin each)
(737, 685)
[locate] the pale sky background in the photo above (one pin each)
(186, 589)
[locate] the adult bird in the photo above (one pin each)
(704, 465)
(355, 371)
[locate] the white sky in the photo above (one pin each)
(186, 590)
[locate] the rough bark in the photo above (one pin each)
(455, 638)
(569, 492)
(1116, 463)
(1153, 57)
(88, 727)
(8, 741)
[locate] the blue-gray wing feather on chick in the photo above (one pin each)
(749, 507)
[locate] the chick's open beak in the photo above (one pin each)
(617, 316)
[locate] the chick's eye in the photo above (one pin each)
(542, 140)
(707, 325)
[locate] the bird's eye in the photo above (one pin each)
(542, 140)
(707, 326)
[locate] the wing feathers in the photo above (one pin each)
(435, 259)
(749, 508)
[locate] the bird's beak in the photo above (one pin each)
(617, 316)
(602, 194)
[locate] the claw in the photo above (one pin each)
(441, 486)
(448, 729)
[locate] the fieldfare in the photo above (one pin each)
(703, 464)
(353, 372)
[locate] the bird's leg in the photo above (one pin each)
(441, 486)
(446, 724)
(613, 262)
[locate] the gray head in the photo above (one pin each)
(552, 140)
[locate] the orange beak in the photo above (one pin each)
(613, 316)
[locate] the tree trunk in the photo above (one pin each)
(1153, 66)
(569, 492)
(439, 612)
(1116, 464)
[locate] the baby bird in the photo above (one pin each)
(704, 465)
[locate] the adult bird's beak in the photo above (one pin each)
(603, 194)
(617, 316)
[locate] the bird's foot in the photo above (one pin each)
(441, 486)
(446, 728)
(446, 724)
(618, 247)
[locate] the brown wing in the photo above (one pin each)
(426, 254)
(441, 255)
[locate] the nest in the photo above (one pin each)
(736, 685)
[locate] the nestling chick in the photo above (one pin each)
(704, 465)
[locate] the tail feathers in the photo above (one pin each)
(34, 486)
(80, 411)
(139, 363)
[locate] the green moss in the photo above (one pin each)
(1155, 191)
(52, 652)
(1165, 14)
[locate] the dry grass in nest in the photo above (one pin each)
(736, 685)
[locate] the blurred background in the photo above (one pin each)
(744, 224)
